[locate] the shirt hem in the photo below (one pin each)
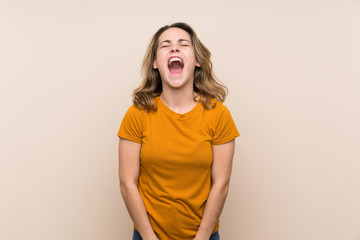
(129, 137)
(226, 140)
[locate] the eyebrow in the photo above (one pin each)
(180, 40)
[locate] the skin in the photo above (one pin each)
(221, 172)
(178, 95)
(129, 170)
(177, 91)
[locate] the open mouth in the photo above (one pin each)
(175, 65)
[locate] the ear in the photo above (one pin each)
(154, 64)
(197, 64)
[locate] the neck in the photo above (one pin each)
(179, 100)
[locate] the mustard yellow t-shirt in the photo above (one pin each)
(175, 163)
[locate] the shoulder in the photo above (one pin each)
(134, 115)
(218, 113)
(131, 127)
(219, 105)
(135, 111)
(222, 123)
(218, 108)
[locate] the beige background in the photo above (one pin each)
(67, 71)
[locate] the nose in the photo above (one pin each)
(174, 48)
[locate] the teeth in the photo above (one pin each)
(175, 59)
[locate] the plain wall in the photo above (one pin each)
(67, 72)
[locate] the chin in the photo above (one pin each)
(176, 84)
(177, 81)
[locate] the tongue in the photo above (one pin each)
(175, 67)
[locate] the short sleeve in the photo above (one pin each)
(131, 127)
(225, 129)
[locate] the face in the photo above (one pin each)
(175, 58)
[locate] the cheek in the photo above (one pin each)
(161, 60)
(158, 62)
(192, 61)
(161, 66)
(192, 57)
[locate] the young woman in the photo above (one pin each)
(176, 142)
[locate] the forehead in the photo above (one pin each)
(174, 34)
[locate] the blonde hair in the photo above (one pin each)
(205, 81)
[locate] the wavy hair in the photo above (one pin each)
(205, 82)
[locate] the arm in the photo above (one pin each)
(129, 170)
(221, 171)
